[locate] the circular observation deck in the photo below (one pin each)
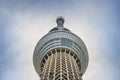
(60, 38)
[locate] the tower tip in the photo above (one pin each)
(60, 21)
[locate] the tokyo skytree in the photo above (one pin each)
(60, 54)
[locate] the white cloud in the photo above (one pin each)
(27, 28)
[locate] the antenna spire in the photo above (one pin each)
(60, 21)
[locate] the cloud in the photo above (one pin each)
(86, 19)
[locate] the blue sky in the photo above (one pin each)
(24, 22)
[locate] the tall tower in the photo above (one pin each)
(60, 55)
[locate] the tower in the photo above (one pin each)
(60, 55)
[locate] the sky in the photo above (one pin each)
(24, 22)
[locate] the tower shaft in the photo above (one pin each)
(60, 64)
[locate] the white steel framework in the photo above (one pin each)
(60, 64)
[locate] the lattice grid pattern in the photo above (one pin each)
(60, 64)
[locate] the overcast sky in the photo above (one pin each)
(24, 22)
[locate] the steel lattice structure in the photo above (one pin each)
(60, 55)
